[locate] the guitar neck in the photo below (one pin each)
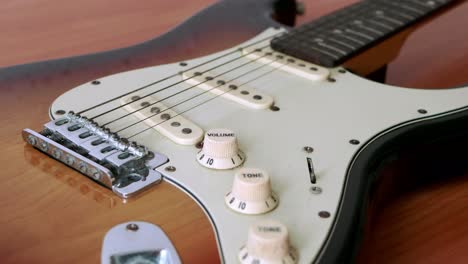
(335, 38)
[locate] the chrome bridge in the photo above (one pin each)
(125, 167)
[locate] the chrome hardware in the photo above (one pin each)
(104, 133)
(125, 167)
(138, 242)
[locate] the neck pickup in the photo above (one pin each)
(333, 39)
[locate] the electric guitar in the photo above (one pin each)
(265, 152)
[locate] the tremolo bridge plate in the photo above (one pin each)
(79, 147)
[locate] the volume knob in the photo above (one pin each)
(220, 150)
(251, 192)
(268, 243)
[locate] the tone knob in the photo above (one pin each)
(268, 243)
(251, 192)
(220, 150)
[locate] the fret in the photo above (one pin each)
(324, 52)
(331, 47)
(380, 24)
(356, 33)
(401, 16)
(342, 43)
(393, 12)
(361, 24)
(341, 33)
(334, 38)
(424, 3)
(407, 8)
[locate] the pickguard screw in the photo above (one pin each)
(315, 190)
(96, 82)
(308, 149)
(354, 141)
(324, 214)
(422, 111)
(60, 112)
(183, 64)
(132, 227)
(170, 168)
(274, 108)
(342, 71)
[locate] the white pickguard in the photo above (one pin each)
(320, 114)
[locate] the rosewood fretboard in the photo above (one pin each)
(332, 39)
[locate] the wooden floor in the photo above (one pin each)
(406, 230)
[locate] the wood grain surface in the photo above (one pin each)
(426, 224)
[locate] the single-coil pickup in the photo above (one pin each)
(241, 94)
(287, 63)
(163, 119)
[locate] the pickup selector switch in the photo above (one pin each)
(220, 150)
(267, 243)
(251, 192)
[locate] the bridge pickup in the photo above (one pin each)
(241, 94)
(287, 63)
(164, 120)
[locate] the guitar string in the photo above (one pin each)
(174, 75)
(205, 92)
(182, 91)
(204, 102)
(174, 84)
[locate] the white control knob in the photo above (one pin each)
(220, 150)
(268, 243)
(251, 192)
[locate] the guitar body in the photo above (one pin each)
(52, 214)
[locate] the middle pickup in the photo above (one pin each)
(163, 119)
(241, 94)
